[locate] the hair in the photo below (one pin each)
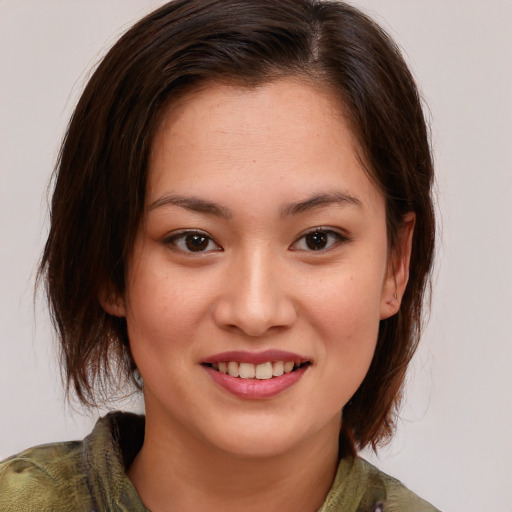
(101, 172)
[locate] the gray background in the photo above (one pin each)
(454, 440)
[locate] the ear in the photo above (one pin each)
(112, 302)
(398, 269)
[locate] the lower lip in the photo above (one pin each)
(256, 389)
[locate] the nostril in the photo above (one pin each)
(253, 318)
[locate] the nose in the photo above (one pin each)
(256, 298)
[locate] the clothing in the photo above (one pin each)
(90, 475)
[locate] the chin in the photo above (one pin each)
(260, 438)
(256, 446)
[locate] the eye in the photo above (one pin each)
(192, 241)
(318, 239)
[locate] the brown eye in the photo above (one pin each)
(192, 241)
(317, 240)
(196, 242)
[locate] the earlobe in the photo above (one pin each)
(112, 302)
(398, 268)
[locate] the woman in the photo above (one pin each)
(242, 227)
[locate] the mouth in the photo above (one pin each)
(256, 375)
(262, 371)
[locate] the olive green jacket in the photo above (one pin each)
(89, 475)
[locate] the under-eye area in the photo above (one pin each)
(263, 371)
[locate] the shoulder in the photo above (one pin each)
(81, 475)
(360, 486)
(398, 498)
(47, 477)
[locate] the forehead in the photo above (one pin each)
(213, 110)
(255, 138)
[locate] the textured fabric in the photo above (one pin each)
(82, 476)
(90, 476)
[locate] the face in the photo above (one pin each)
(260, 274)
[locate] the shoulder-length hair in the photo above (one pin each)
(101, 173)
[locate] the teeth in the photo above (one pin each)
(247, 371)
(233, 369)
(262, 371)
(278, 368)
(288, 367)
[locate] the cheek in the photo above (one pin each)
(149, 314)
(165, 308)
(351, 300)
(157, 331)
(347, 315)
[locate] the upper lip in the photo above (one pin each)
(242, 356)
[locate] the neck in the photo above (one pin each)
(180, 472)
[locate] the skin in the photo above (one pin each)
(256, 154)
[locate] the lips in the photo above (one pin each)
(265, 356)
(256, 375)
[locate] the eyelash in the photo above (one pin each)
(325, 233)
(175, 238)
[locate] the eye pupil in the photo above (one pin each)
(196, 242)
(316, 240)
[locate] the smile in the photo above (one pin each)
(263, 371)
(256, 376)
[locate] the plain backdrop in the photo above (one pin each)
(453, 444)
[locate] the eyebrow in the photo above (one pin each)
(204, 206)
(191, 203)
(319, 201)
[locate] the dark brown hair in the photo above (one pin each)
(98, 200)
